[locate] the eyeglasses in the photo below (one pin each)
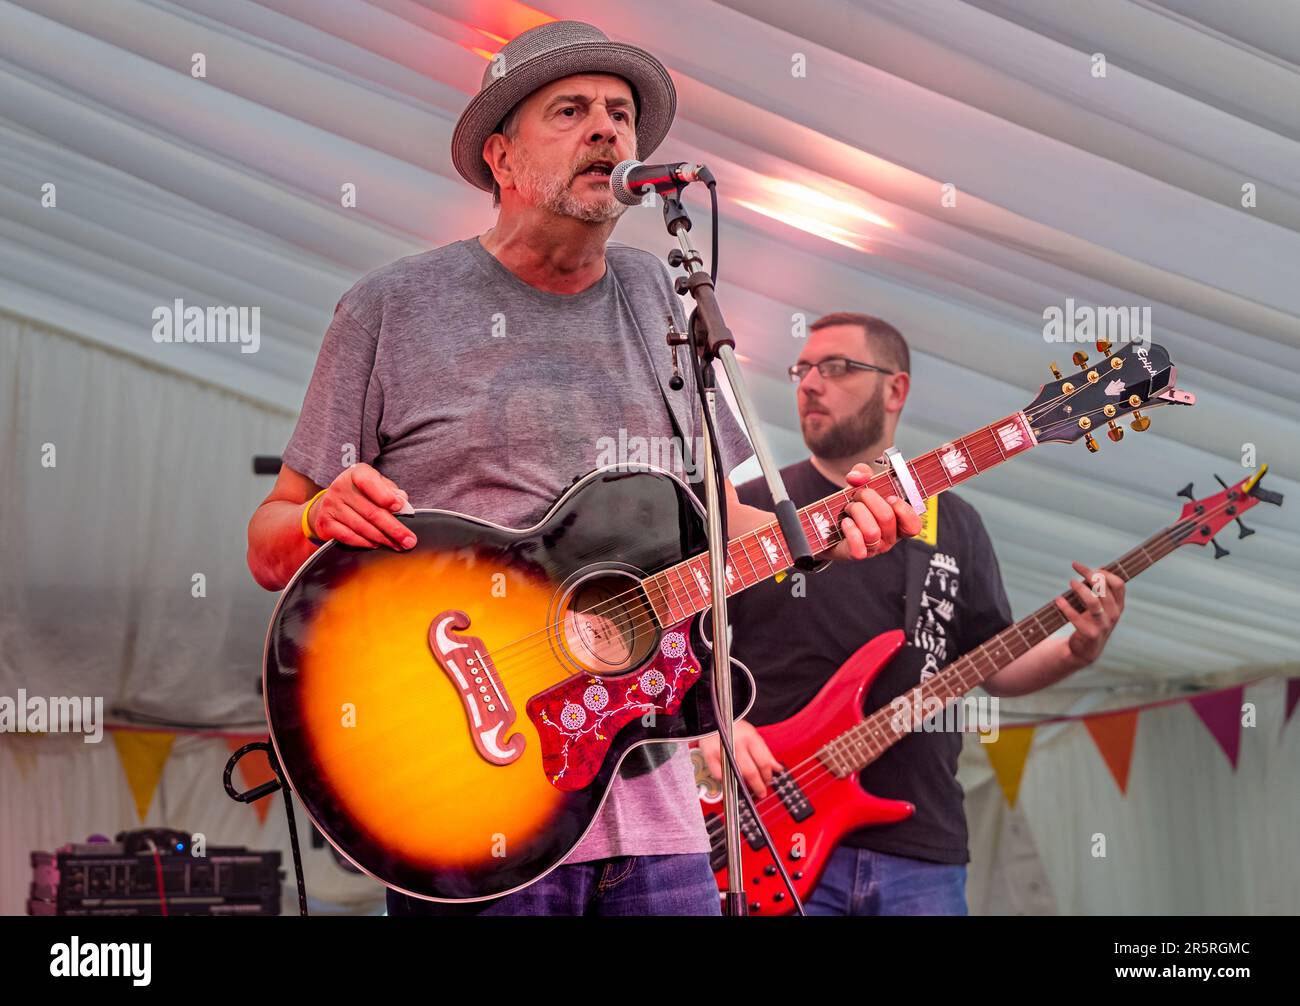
(833, 366)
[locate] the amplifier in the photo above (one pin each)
(121, 878)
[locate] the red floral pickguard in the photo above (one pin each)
(577, 719)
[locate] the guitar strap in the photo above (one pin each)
(679, 403)
(916, 553)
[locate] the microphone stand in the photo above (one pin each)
(712, 341)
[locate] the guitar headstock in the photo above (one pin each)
(1206, 517)
(1138, 376)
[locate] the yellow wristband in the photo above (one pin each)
(306, 525)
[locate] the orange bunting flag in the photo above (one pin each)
(1114, 734)
(1007, 755)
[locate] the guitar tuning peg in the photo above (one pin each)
(1092, 444)
(1187, 491)
(1103, 347)
(1055, 371)
(1219, 550)
(1246, 532)
(1221, 482)
(1079, 358)
(1115, 433)
(1140, 423)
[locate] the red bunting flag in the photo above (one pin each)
(1221, 714)
(1292, 697)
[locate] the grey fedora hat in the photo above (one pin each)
(545, 54)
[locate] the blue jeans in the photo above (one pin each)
(862, 882)
(626, 885)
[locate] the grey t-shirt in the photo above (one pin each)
(476, 392)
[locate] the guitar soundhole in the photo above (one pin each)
(608, 625)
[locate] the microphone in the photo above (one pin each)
(629, 179)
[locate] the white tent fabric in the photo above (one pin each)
(1191, 836)
(226, 189)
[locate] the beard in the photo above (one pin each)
(556, 195)
(850, 435)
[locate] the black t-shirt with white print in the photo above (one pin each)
(794, 644)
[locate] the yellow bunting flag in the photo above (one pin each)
(1114, 735)
(1007, 754)
(143, 754)
(20, 747)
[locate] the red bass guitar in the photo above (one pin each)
(817, 799)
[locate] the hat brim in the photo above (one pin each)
(656, 99)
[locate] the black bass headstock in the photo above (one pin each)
(1135, 378)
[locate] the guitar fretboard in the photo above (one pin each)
(859, 746)
(681, 591)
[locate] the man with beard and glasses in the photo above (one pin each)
(853, 378)
(484, 377)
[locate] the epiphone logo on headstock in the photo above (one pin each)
(1141, 353)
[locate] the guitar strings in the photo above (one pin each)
(625, 609)
(800, 771)
(811, 773)
(821, 775)
(812, 767)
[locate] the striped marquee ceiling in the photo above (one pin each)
(1171, 181)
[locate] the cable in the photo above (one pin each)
(713, 262)
(158, 872)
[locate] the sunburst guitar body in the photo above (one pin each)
(452, 717)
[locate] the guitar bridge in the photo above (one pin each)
(465, 661)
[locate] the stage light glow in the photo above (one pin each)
(810, 224)
(815, 212)
(514, 19)
(806, 196)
